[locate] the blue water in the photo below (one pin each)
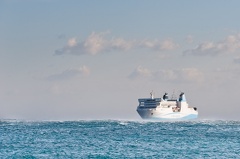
(120, 139)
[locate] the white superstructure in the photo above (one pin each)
(164, 108)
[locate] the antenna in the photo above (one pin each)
(173, 95)
(152, 95)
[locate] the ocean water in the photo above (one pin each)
(120, 139)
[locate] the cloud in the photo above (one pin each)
(158, 45)
(70, 73)
(98, 43)
(230, 44)
(189, 39)
(140, 72)
(182, 75)
(169, 75)
(72, 42)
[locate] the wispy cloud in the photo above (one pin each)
(230, 44)
(189, 39)
(70, 73)
(170, 75)
(140, 72)
(181, 75)
(99, 43)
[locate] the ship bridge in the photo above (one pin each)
(149, 102)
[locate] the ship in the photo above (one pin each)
(165, 108)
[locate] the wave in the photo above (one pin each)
(124, 121)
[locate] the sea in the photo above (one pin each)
(119, 139)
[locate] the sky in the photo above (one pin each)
(92, 60)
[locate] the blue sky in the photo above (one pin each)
(71, 60)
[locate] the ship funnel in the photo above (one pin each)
(165, 96)
(182, 97)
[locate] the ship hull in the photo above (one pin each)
(153, 114)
